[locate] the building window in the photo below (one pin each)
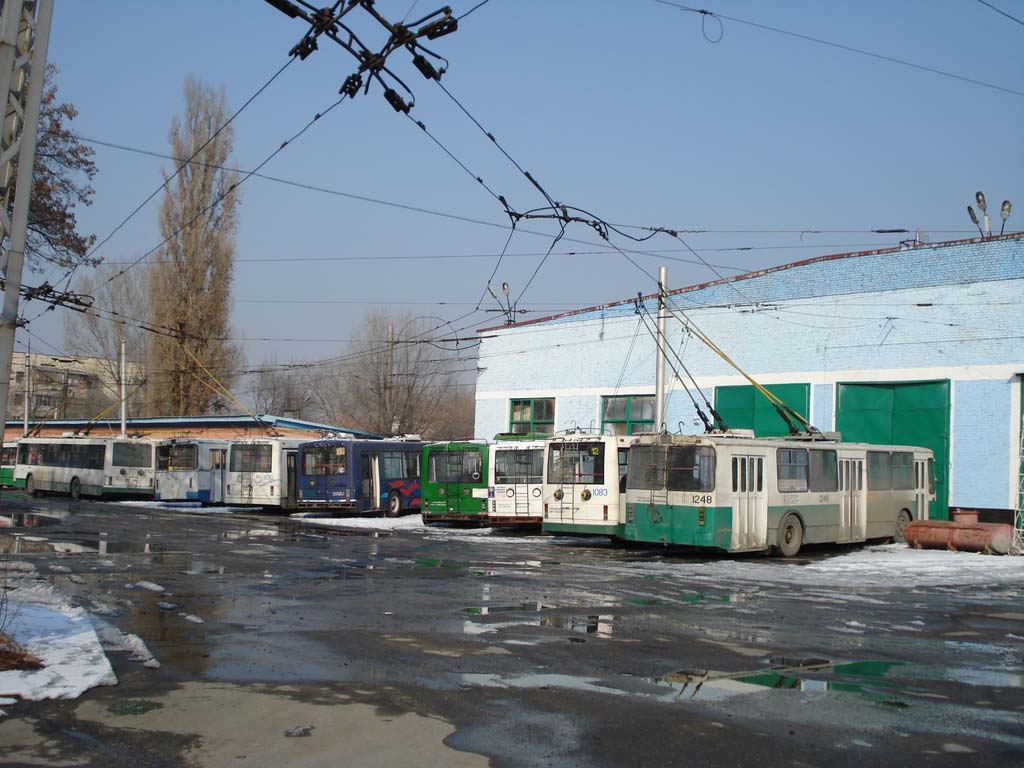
(628, 414)
(535, 416)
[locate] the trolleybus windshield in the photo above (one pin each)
(581, 463)
(673, 468)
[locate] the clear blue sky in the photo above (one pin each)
(622, 108)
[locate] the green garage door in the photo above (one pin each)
(911, 413)
(743, 407)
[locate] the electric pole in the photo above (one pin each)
(15, 14)
(659, 381)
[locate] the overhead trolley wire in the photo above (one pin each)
(999, 11)
(882, 57)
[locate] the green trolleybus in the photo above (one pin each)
(9, 459)
(738, 493)
(79, 466)
(454, 483)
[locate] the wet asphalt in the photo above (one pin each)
(538, 651)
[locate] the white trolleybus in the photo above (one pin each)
(516, 481)
(190, 469)
(262, 472)
(83, 466)
(584, 487)
(738, 493)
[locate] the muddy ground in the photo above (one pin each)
(458, 648)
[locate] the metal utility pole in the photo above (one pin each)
(15, 255)
(659, 381)
(28, 389)
(124, 392)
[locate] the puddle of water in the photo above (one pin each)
(30, 519)
(484, 610)
(597, 625)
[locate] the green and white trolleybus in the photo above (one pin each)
(738, 493)
(81, 466)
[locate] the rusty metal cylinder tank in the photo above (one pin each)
(992, 538)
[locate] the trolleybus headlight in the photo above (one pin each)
(585, 495)
(558, 494)
(510, 492)
(536, 492)
(441, 491)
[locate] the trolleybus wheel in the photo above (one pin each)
(791, 536)
(75, 489)
(30, 486)
(902, 520)
(394, 505)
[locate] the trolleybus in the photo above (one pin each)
(8, 458)
(377, 476)
(80, 466)
(262, 472)
(455, 482)
(585, 484)
(516, 482)
(738, 493)
(191, 469)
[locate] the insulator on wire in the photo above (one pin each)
(426, 68)
(286, 8)
(351, 86)
(396, 101)
(304, 47)
(439, 28)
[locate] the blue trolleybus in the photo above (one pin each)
(374, 476)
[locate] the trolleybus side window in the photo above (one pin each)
(252, 458)
(132, 455)
(576, 463)
(178, 457)
(10, 454)
(824, 471)
(879, 471)
(792, 470)
(398, 464)
(902, 471)
(691, 468)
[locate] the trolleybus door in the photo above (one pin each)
(921, 489)
(370, 485)
(218, 466)
(750, 503)
(291, 467)
(853, 522)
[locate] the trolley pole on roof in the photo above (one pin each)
(659, 380)
(14, 258)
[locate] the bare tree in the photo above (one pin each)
(280, 390)
(393, 380)
(120, 307)
(190, 286)
(61, 180)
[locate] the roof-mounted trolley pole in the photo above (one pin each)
(659, 379)
(14, 12)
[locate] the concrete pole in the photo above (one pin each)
(22, 194)
(124, 392)
(659, 381)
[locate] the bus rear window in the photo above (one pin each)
(581, 463)
(252, 458)
(323, 460)
(519, 465)
(132, 455)
(9, 456)
(177, 458)
(462, 466)
(673, 468)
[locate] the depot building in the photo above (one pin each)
(919, 345)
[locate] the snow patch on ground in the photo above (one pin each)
(115, 640)
(881, 566)
(63, 639)
(149, 585)
(407, 523)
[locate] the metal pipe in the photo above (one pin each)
(659, 380)
(993, 538)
